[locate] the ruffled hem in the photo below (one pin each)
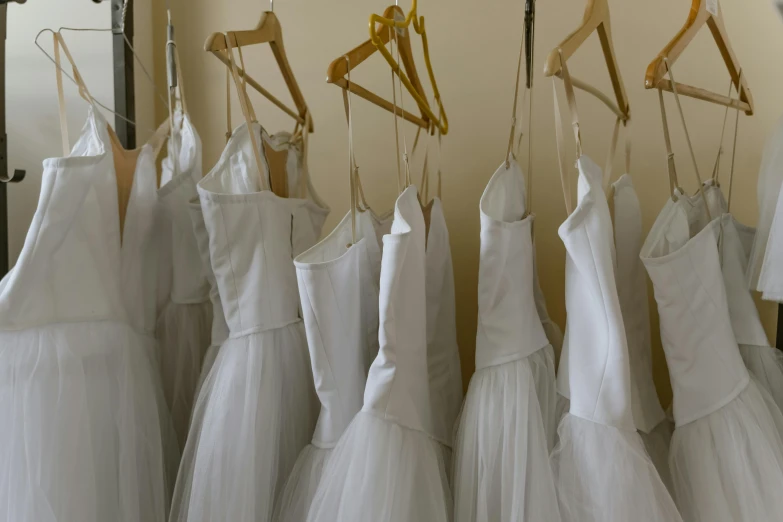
(501, 464)
(728, 466)
(382, 471)
(603, 474)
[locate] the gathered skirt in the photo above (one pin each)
(501, 464)
(184, 334)
(766, 365)
(255, 412)
(604, 474)
(383, 471)
(84, 431)
(728, 466)
(301, 485)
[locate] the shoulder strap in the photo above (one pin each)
(59, 42)
(244, 102)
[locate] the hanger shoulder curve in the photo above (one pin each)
(596, 12)
(698, 16)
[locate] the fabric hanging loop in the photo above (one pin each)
(716, 167)
(687, 137)
(569, 90)
(734, 149)
(352, 168)
(674, 185)
(244, 102)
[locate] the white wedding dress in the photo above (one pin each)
(764, 361)
(84, 430)
(257, 407)
(338, 288)
(648, 414)
(183, 328)
(387, 466)
(726, 455)
(501, 459)
(631, 282)
(602, 470)
(445, 374)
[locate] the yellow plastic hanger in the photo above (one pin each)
(381, 28)
(702, 12)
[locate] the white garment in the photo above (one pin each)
(81, 407)
(726, 452)
(764, 361)
(649, 417)
(257, 407)
(764, 270)
(445, 374)
(501, 464)
(602, 470)
(386, 465)
(219, 328)
(183, 328)
(338, 287)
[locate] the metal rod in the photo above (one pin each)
(124, 97)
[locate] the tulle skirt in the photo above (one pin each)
(381, 471)
(657, 444)
(255, 412)
(206, 366)
(301, 485)
(728, 465)
(501, 466)
(184, 334)
(766, 365)
(82, 425)
(603, 474)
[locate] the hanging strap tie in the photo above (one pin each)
(687, 137)
(569, 90)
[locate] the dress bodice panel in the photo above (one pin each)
(632, 291)
(509, 326)
(595, 344)
(445, 374)
(338, 286)
(704, 362)
(219, 325)
(182, 170)
(74, 265)
(397, 385)
(253, 237)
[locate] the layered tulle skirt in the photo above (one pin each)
(255, 412)
(766, 365)
(184, 333)
(728, 465)
(604, 474)
(84, 432)
(501, 462)
(381, 471)
(301, 485)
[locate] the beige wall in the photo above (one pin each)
(474, 47)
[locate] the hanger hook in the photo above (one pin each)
(272, 5)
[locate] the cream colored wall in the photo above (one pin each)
(474, 48)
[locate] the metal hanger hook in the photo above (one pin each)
(272, 5)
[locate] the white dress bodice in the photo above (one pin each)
(254, 236)
(75, 266)
(704, 362)
(338, 287)
(632, 291)
(397, 387)
(445, 375)
(595, 346)
(178, 189)
(509, 327)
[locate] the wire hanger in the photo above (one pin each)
(268, 30)
(596, 19)
(381, 28)
(118, 30)
(702, 12)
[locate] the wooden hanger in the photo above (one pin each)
(381, 28)
(596, 19)
(702, 12)
(268, 31)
